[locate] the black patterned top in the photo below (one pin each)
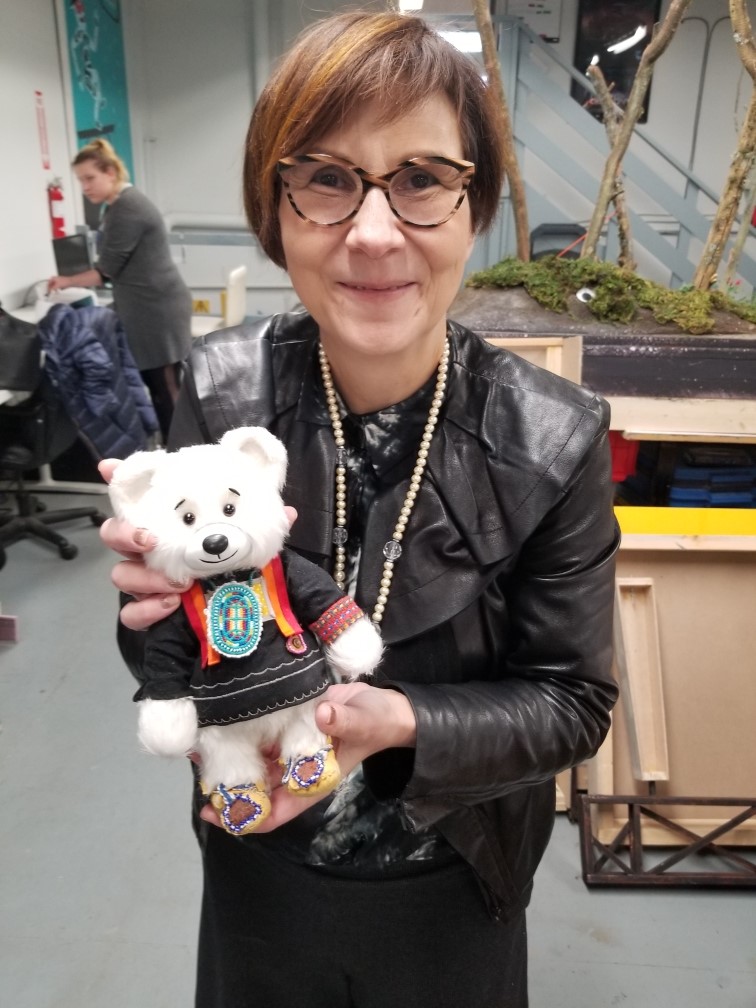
(350, 833)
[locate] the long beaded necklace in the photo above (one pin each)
(393, 548)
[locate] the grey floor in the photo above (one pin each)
(100, 876)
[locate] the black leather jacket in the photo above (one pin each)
(498, 627)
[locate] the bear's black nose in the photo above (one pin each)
(215, 544)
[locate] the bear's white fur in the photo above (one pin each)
(214, 509)
(181, 498)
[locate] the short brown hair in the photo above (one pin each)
(344, 61)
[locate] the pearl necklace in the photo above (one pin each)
(393, 548)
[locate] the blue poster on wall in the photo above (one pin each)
(98, 74)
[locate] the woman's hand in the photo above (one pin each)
(155, 597)
(58, 283)
(361, 720)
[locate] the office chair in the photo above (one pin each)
(32, 434)
(234, 306)
(563, 240)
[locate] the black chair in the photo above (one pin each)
(556, 239)
(33, 434)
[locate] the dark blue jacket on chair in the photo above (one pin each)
(91, 367)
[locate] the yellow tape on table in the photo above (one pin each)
(687, 521)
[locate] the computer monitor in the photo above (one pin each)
(72, 255)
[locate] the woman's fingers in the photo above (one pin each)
(134, 578)
(363, 719)
(106, 468)
(123, 538)
(142, 613)
(284, 806)
(56, 283)
(154, 596)
(209, 814)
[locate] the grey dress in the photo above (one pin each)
(149, 295)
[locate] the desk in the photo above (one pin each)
(27, 313)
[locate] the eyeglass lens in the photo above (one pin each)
(424, 194)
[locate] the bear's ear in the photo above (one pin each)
(262, 447)
(131, 480)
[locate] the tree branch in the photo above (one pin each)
(742, 160)
(659, 42)
(612, 114)
(516, 185)
(743, 35)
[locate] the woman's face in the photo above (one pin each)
(97, 185)
(375, 285)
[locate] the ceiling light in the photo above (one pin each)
(465, 41)
(410, 5)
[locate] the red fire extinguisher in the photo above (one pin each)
(55, 200)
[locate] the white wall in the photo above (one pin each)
(191, 90)
(29, 63)
(197, 68)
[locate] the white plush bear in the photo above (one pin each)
(233, 671)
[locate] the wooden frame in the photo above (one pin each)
(638, 662)
(687, 726)
(561, 354)
(625, 861)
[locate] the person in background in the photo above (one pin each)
(461, 494)
(149, 295)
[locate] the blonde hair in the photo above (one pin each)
(104, 156)
(353, 58)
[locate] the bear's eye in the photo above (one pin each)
(188, 518)
(229, 510)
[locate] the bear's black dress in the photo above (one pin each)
(281, 671)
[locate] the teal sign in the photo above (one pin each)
(98, 74)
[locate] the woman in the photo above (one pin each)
(372, 159)
(149, 296)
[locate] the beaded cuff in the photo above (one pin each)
(336, 619)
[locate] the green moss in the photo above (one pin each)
(743, 309)
(619, 293)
